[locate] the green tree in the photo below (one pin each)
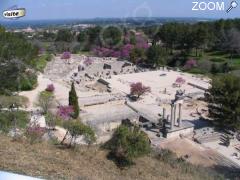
(200, 35)
(224, 101)
(73, 101)
(214, 68)
(128, 143)
(82, 36)
(76, 128)
(64, 35)
(111, 36)
(45, 101)
(137, 54)
(156, 55)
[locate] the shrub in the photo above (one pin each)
(34, 133)
(88, 61)
(27, 82)
(180, 80)
(77, 128)
(7, 120)
(66, 55)
(45, 101)
(128, 143)
(167, 156)
(191, 64)
(138, 89)
(50, 88)
(52, 120)
(65, 112)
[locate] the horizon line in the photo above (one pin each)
(183, 17)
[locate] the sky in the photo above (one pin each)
(85, 9)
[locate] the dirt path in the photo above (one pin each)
(61, 92)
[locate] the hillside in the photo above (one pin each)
(51, 162)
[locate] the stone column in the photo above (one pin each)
(168, 118)
(172, 116)
(164, 113)
(180, 115)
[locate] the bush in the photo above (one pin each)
(77, 128)
(138, 89)
(7, 120)
(7, 101)
(66, 55)
(128, 143)
(52, 120)
(50, 88)
(34, 133)
(27, 82)
(65, 112)
(14, 76)
(191, 64)
(167, 156)
(45, 101)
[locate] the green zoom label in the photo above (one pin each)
(16, 13)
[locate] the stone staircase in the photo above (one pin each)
(204, 138)
(221, 160)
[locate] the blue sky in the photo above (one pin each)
(81, 9)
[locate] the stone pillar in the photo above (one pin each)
(180, 115)
(172, 116)
(168, 118)
(164, 113)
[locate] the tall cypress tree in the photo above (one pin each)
(73, 101)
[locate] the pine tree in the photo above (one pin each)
(73, 101)
(224, 101)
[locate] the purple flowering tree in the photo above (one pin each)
(88, 61)
(141, 42)
(50, 88)
(65, 112)
(41, 51)
(126, 49)
(34, 132)
(180, 81)
(138, 89)
(191, 64)
(66, 56)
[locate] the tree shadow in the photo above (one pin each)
(121, 162)
(228, 172)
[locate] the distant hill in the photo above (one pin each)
(136, 21)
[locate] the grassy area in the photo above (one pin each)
(86, 53)
(6, 101)
(41, 62)
(48, 161)
(7, 120)
(195, 71)
(206, 61)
